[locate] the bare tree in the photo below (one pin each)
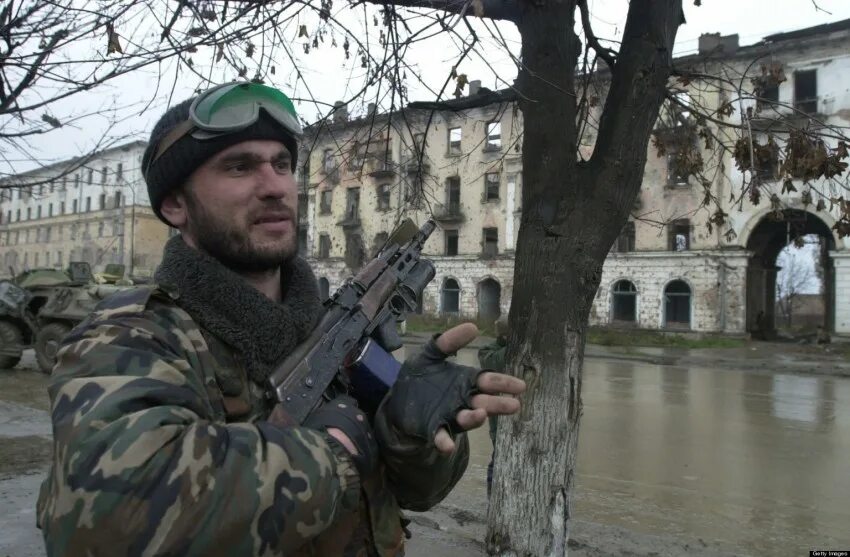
(797, 277)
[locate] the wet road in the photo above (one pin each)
(752, 463)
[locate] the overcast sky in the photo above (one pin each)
(326, 71)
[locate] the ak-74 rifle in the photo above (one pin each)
(357, 329)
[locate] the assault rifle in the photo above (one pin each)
(360, 318)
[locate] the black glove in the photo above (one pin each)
(342, 413)
(428, 394)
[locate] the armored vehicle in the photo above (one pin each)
(40, 306)
(17, 323)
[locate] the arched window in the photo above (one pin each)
(624, 302)
(324, 289)
(489, 297)
(677, 305)
(450, 296)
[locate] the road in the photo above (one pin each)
(699, 460)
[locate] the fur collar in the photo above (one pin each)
(261, 331)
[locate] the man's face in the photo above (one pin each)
(241, 207)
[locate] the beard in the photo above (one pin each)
(231, 245)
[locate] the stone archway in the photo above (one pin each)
(768, 238)
(489, 300)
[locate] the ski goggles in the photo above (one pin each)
(230, 108)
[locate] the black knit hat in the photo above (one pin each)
(176, 164)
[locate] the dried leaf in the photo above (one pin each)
(820, 206)
(113, 44)
(55, 123)
(249, 50)
(302, 31)
(220, 54)
(196, 32)
(208, 14)
(788, 186)
(461, 82)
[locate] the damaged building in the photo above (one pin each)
(459, 162)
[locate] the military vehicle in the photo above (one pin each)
(43, 305)
(17, 323)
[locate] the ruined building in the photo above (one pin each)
(668, 270)
(94, 209)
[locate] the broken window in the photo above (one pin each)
(103, 176)
(324, 246)
(677, 305)
(384, 197)
(413, 186)
(325, 198)
(626, 240)
(352, 204)
(768, 96)
(355, 252)
(677, 174)
(490, 242)
(328, 162)
(491, 186)
(102, 201)
(623, 301)
(679, 235)
(450, 296)
(324, 289)
(806, 91)
(453, 194)
(451, 237)
(379, 242)
(455, 136)
(494, 136)
(767, 162)
(302, 208)
(302, 240)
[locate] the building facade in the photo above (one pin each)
(95, 209)
(668, 270)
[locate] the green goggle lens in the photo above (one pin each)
(230, 108)
(234, 106)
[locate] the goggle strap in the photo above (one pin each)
(172, 137)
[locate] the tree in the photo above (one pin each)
(798, 276)
(589, 112)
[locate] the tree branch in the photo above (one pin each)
(506, 10)
(639, 83)
(606, 54)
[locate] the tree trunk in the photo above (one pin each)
(572, 213)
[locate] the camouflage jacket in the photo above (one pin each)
(161, 448)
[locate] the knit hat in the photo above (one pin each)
(176, 164)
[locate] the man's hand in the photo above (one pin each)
(434, 398)
(491, 385)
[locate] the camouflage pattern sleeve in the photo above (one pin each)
(142, 465)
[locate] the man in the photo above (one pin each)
(166, 439)
(492, 356)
